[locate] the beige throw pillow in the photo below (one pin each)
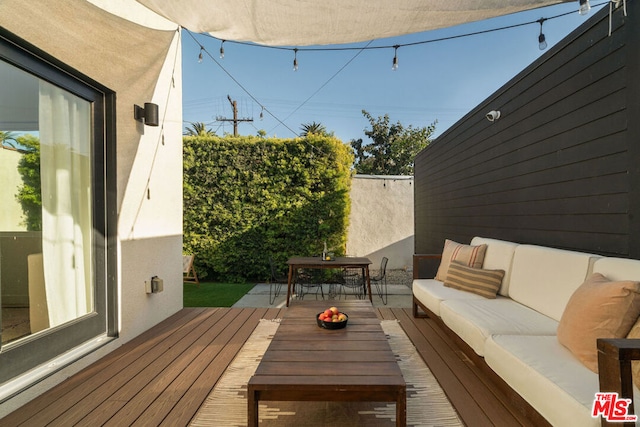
(482, 282)
(599, 308)
(472, 256)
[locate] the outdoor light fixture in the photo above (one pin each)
(200, 55)
(295, 59)
(584, 7)
(542, 41)
(493, 115)
(395, 58)
(222, 49)
(147, 115)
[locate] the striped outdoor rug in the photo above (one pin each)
(427, 404)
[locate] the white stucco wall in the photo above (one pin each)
(140, 65)
(381, 220)
(10, 210)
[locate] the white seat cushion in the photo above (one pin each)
(431, 292)
(475, 321)
(547, 376)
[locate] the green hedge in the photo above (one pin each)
(248, 198)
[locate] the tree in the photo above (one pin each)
(393, 147)
(29, 194)
(5, 137)
(314, 128)
(198, 129)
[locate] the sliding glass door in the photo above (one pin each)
(53, 217)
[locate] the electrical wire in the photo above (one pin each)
(326, 83)
(397, 45)
(238, 82)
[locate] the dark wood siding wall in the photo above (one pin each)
(560, 167)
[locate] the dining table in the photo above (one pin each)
(318, 262)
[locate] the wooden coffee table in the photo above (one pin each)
(307, 363)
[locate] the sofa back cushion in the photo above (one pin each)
(498, 256)
(473, 256)
(545, 278)
(618, 268)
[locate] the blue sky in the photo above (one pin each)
(436, 81)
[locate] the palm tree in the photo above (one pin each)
(198, 129)
(313, 128)
(5, 137)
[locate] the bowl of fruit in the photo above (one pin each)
(332, 318)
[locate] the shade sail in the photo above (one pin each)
(322, 22)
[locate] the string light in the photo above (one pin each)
(262, 113)
(295, 59)
(222, 49)
(542, 41)
(200, 55)
(584, 7)
(583, 3)
(394, 67)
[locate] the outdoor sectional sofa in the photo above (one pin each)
(516, 333)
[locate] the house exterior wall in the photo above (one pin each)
(140, 65)
(10, 209)
(560, 167)
(381, 220)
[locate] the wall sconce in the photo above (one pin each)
(493, 115)
(147, 115)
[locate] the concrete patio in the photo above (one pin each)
(399, 293)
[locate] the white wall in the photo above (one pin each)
(11, 215)
(141, 65)
(381, 220)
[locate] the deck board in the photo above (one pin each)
(163, 376)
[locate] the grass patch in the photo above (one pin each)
(211, 294)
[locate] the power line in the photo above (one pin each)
(202, 49)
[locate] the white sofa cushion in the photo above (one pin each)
(617, 269)
(431, 292)
(475, 321)
(545, 278)
(498, 256)
(547, 376)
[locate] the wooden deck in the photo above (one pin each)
(163, 376)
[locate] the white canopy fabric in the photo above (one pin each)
(323, 22)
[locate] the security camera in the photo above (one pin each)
(493, 115)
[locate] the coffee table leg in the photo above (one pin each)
(252, 408)
(401, 408)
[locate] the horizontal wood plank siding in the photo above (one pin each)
(556, 169)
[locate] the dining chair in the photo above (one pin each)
(380, 280)
(304, 281)
(276, 281)
(351, 280)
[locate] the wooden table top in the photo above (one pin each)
(302, 353)
(307, 363)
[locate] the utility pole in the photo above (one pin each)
(235, 120)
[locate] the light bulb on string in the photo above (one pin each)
(295, 59)
(584, 7)
(262, 113)
(222, 49)
(394, 67)
(200, 55)
(542, 40)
